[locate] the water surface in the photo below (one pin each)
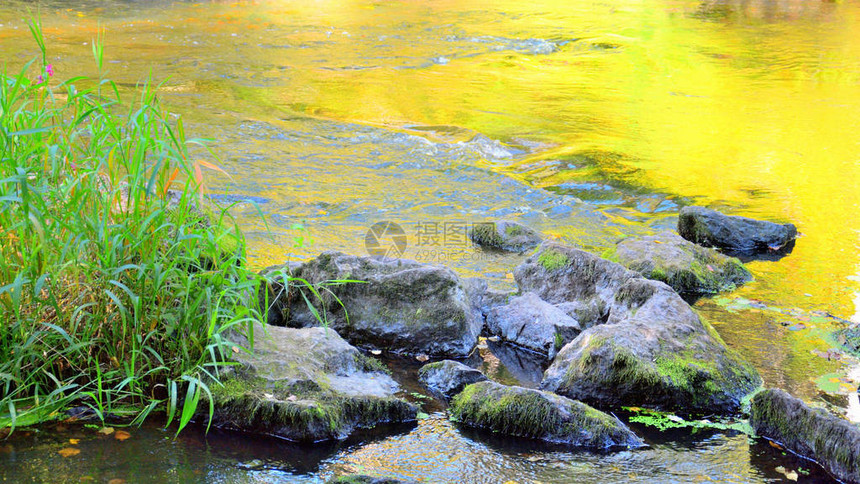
(589, 121)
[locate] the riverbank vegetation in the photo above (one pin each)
(119, 284)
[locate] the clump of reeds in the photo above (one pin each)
(119, 286)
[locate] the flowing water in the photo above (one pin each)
(589, 121)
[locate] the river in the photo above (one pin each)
(589, 121)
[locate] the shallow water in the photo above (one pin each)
(589, 121)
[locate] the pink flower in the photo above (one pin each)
(49, 69)
(40, 79)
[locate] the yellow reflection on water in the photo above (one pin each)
(751, 106)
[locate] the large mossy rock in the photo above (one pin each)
(398, 305)
(649, 348)
(713, 229)
(533, 323)
(306, 385)
(504, 235)
(523, 412)
(683, 265)
(813, 433)
(447, 378)
(654, 351)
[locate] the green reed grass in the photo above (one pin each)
(115, 293)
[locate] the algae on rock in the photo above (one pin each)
(646, 346)
(535, 414)
(399, 305)
(683, 265)
(306, 385)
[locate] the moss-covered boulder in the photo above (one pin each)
(448, 378)
(654, 351)
(398, 305)
(504, 235)
(534, 324)
(813, 433)
(523, 412)
(584, 284)
(648, 346)
(306, 385)
(710, 228)
(683, 265)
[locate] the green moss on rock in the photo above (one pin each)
(504, 235)
(683, 265)
(608, 374)
(365, 479)
(552, 260)
(832, 442)
(299, 411)
(540, 415)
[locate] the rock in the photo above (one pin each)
(504, 235)
(526, 367)
(523, 412)
(587, 313)
(448, 378)
(649, 347)
(583, 282)
(533, 323)
(712, 229)
(683, 265)
(476, 290)
(365, 479)
(654, 351)
(398, 305)
(306, 385)
(813, 433)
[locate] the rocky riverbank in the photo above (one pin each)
(611, 331)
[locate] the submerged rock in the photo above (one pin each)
(533, 323)
(683, 265)
(306, 385)
(713, 229)
(504, 235)
(649, 348)
(448, 378)
(813, 433)
(535, 414)
(398, 305)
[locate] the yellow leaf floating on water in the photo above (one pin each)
(106, 430)
(74, 441)
(69, 451)
(121, 435)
